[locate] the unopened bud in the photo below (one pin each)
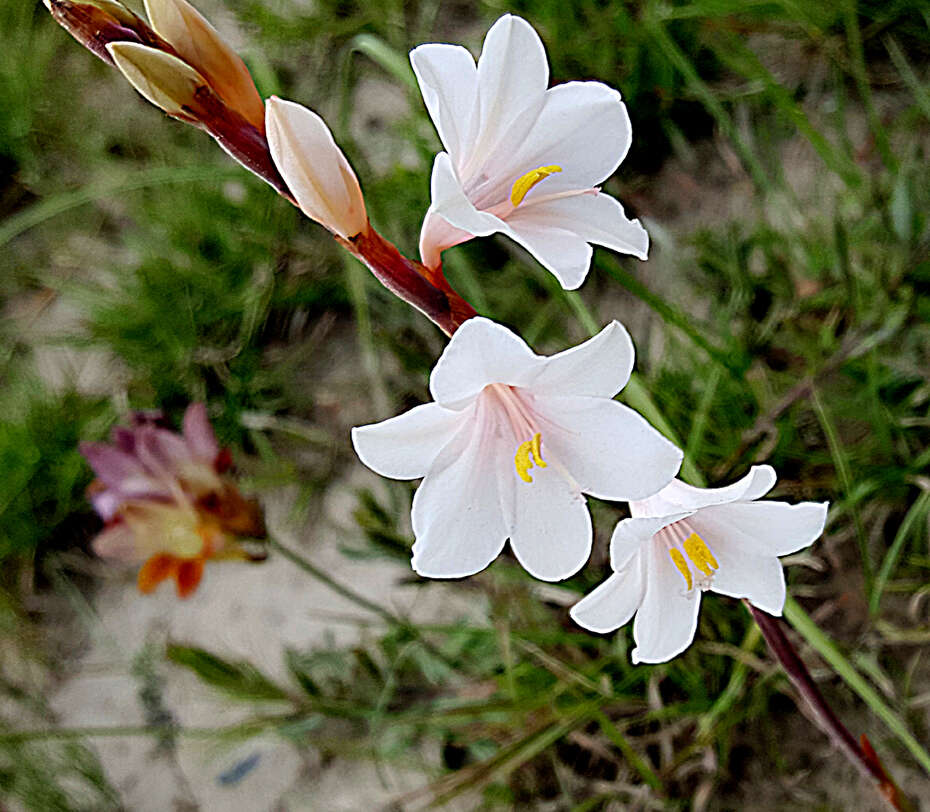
(165, 80)
(314, 168)
(97, 23)
(201, 46)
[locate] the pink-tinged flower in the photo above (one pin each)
(686, 540)
(316, 171)
(522, 159)
(508, 448)
(167, 500)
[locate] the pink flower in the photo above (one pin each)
(167, 500)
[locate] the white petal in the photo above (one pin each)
(610, 450)
(512, 79)
(458, 520)
(678, 495)
(631, 535)
(559, 250)
(583, 128)
(314, 168)
(436, 235)
(600, 367)
(595, 218)
(764, 528)
(613, 603)
(405, 446)
(448, 200)
(481, 352)
(551, 532)
(667, 620)
(448, 80)
(742, 574)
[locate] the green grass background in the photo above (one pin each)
(780, 164)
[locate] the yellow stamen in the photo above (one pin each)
(701, 556)
(679, 560)
(537, 450)
(528, 452)
(523, 185)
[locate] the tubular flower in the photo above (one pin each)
(686, 540)
(168, 501)
(315, 169)
(522, 159)
(509, 446)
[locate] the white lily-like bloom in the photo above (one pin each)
(686, 540)
(314, 168)
(522, 159)
(508, 448)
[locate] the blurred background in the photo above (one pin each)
(780, 165)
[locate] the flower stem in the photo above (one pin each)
(347, 592)
(865, 761)
(333, 584)
(426, 290)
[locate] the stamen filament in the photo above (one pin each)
(679, 561)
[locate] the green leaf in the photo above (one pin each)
(238, 679)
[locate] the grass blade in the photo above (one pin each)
(827, 649)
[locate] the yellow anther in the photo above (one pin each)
(701, 556)
(523, 185)
(528, 452)
(537, 450)
(679, 560)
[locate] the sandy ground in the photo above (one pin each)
(250, 613)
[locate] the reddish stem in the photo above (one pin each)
(407, 280)
(866, 761)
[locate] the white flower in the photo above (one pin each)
(510, 445)
(314, 168)
(685, 540)
(520, 159)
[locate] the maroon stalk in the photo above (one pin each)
(862, 757)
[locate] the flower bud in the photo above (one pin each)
(314, 168)
(199, 44)
(166, 81)
(97, 23)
